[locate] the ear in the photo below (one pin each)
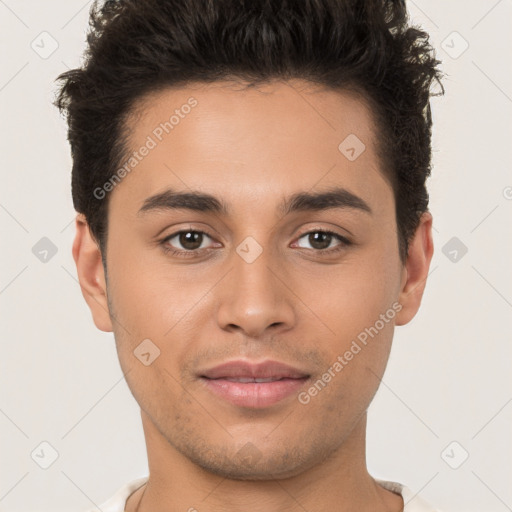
(415, 271)
(91, 276)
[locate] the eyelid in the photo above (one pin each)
(319, 229)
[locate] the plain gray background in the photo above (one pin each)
(446, 394)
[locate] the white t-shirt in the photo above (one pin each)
(116, 503)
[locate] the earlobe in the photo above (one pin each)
(91, 275)
(415, 272)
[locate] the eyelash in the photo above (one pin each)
(194, 252)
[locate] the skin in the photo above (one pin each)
(252, 148)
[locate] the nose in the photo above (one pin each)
(254, 299)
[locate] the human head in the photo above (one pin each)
(270, 107)
(362, 46)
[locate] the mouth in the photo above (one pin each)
(252, 379)
(255, 386)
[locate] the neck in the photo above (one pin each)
(340, 482)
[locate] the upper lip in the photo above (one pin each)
(246, 369)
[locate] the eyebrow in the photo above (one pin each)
(302, 201)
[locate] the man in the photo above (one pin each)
(252, 224)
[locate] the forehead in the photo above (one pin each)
(244, 142)
(295, 109)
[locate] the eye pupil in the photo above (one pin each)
(320, 240)
(191, 239)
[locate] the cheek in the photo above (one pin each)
(351, 296)
(357, 301)
(148, 294)
(165, 304)
(358, 304)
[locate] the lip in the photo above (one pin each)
(263, 370)
(286, 380)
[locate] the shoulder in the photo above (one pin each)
(412, 501)
(118, 501)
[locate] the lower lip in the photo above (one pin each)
(255, 395)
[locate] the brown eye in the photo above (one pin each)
(187, 240)
(191, 240)
(321, 240)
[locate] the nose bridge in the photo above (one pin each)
(254, 298)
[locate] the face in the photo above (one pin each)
(285, 249)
